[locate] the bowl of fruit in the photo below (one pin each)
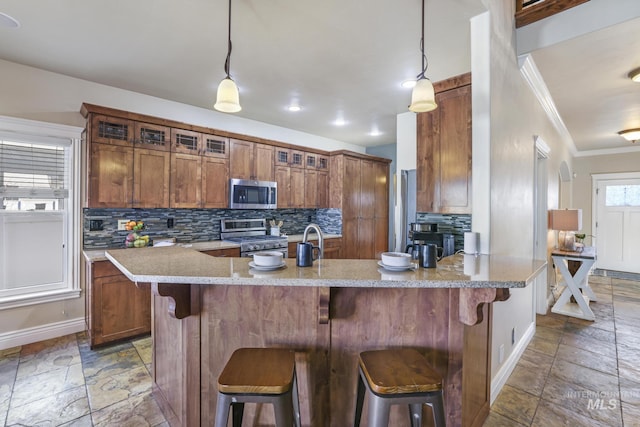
(135, 239)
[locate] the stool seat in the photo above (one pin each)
(259, 375)
(398, 376)
(258, 371)
(399, 371)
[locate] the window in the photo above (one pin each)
(622, 195)
(39, 212)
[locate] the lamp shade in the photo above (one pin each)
(423, 97)
(632, 135)
(565, 219)
(228, 99)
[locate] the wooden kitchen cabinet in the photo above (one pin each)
(310, 188)
(215, 182)
(186, 141)
(332, 247)
(151, 176)
(444, 151)
(151, 136)
(227, 252)
(250, 160)
(110, 176)
(359, 185)
(186, 181)
(111, 130)
(116, 307)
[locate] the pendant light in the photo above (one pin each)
(423, 97)
(228, 99)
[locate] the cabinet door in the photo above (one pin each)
(263, 162)
(351, 188)
(310, 188)
(152, 137)
(297, 188)
(323, 163)
(381, 209)
(111, 130)
(240, 159)
(310, 160)
(350, 243)
(215, 182)
(186, 180)
(227, 252)
(185, 141)
(283, 179)
(110, 176)
(119, 308)
(444, 154)
(297, 159)
(150, 178)
(367, 189)
(215, 146)
(455, 150)
(366, 238)
(323, 189)
(282, 156)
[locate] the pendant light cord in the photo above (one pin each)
(425, 63)
(227, 62)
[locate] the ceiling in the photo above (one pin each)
(336, 58)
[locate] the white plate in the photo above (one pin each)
(411, 266)
(266, 267)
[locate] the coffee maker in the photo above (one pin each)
(422, 234)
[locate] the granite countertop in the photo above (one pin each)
(184, 265)
(93, 255)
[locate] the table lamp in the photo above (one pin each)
(566, 222)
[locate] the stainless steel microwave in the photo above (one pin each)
(250, 194)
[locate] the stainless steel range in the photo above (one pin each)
(252, 236)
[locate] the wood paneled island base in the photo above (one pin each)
(197, 327)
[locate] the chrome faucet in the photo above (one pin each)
(320, 237)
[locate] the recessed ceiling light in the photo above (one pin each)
(635, 75)
(339, 122)
(375, 133)
(8, 21)
(294, 108)
(408, 84)
(632, 135)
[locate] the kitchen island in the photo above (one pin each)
(204, 308)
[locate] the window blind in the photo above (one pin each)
(31, 170)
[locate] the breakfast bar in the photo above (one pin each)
(204, 308)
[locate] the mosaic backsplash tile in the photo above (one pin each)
(197, 225)
(454, 224)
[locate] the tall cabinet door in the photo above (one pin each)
(263, 162)
(111, 176)
(381, 209)
(351, 207)
(151, 178)
(186, 180)
(240, 159)
(215, 185)
(283, 179)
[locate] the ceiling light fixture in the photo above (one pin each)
(635, 75)
(408, 84)
(423, 97)
(631, 135)
(228, 99)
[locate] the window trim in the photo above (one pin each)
(23, 128)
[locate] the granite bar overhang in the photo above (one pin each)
(188, 266)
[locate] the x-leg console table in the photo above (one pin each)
(577, 284)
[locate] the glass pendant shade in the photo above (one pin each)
(423, 97)
(228, 99)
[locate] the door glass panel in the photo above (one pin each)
(622, 195)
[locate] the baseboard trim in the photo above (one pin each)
(41, 333)
(507, 368)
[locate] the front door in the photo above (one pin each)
(618, 223)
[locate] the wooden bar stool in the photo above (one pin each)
(259, 375)
(400, 376)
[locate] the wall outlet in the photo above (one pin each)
(501, 353)
(122, 223)
(170, 222)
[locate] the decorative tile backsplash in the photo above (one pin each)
(196, 225)
(454, 224)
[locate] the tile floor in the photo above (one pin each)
(62, 382)
(579, 373)
(568, 366)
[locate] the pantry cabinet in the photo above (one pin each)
(117, 308)
(359, 185)
(444, 150)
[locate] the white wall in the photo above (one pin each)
(35, 94)
(515, 117)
